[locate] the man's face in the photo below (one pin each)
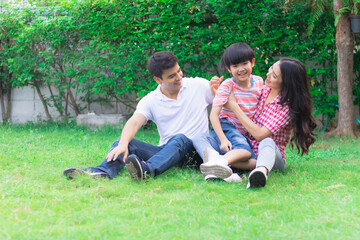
(171, 81)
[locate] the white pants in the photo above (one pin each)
(270, 156)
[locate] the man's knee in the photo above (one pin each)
(181, 140)
(116, 143)
(198, 137)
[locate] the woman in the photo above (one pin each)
(284, 108)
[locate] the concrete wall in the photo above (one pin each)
(27, 106)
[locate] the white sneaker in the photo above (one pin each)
(210, 155)
(257, 178)
(233, 178)
(211, 177)
(217, 168)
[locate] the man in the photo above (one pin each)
(178, 106)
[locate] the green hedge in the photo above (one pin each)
(101, 48)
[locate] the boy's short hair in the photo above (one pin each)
(237, 53)
(161, 61)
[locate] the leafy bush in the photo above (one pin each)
(100, 48)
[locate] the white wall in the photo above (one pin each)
(27, 106)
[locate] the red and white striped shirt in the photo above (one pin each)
(247, 99)
(274, 117)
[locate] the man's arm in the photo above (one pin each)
(130, 129)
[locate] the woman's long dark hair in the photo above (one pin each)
(295, 91)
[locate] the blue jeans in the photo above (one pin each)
(237, 139)
(175, 152)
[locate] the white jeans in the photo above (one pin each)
(270, 156)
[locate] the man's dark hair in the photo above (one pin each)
(161, 61)
(237, 53)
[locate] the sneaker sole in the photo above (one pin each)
(134, 168)
(71, 173)
(219, 170)
(212, 178)
(233, 178)
(257, 179)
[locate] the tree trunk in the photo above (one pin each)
(9, 105)
(73, 101)
(5, 110)
(3, 116)
(56, 103)
(344, 41)
(48, 116)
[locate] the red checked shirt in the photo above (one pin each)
(274, 117)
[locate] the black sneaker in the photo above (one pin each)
(139, 170)
(71, 173)
(257, 178)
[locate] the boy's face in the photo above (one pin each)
(242, 71)
(171, 80)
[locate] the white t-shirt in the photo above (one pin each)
(187, 115)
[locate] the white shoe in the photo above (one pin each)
(211, 177)
(217, 168)
(257, 178)
(210, 155)
(233, 178)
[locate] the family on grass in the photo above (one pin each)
(252, 121)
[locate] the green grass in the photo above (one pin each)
(317, 197)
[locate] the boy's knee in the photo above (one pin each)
(248, 154)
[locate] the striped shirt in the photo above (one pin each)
(247, 99)
(274, 117)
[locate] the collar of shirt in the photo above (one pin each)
(275, 101)
(164, 98)
(251, 81)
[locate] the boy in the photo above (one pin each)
(227, 135)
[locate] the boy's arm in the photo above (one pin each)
(215, 122)
(130, 129)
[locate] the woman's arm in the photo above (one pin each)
(259, 133)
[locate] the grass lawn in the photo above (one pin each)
(316, 197)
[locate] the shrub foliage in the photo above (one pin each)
(100, 48)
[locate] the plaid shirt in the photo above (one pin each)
(274, 117)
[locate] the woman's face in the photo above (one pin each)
(273, 77)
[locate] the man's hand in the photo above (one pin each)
(120, 149)
(130, 129)
(215, 83)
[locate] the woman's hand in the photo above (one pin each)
(231, 101)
